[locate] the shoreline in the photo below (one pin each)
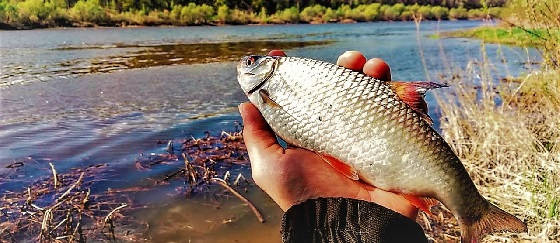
(6, 27)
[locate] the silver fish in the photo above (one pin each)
(372, 130)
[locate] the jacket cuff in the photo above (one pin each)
(347, 220)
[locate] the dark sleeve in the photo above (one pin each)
(347, 220)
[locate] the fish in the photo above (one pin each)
(370, 130)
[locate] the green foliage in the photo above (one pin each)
(495, 12)
(367, 12)
(196, 14)
(476, 14)
(263, 17)
(88, 11)
(425, 12)
(330, 15)
(458, 13)
(223, 14)
(310, 13)
(289, 15)
(541, 15)
(514, 36)
(189, 12)
(344, 11)
(440, 13)
(240, 17)
(8, 12)
(393, 12)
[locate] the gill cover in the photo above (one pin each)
(254, 71)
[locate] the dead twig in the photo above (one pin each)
(236, 182)
(71, 187)
(234, 192)
(54, 175)
(109, 216)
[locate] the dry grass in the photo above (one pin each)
(507, 135)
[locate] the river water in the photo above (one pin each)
(83, 96)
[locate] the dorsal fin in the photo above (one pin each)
(412, 93)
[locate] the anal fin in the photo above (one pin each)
(340, 166)
(422, 203)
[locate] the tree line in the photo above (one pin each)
(45, 13)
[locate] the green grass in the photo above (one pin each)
(505, 35)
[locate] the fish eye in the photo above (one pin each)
(250, 61)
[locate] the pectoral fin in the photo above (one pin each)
(412, 93)
(267, 100)
(340, 166)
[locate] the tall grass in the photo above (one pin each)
(507, 132)
(508, 137)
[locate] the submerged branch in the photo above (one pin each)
(244, 199)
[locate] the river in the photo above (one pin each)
(84, 96)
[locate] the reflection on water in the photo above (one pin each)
(143, 56)
(109, 95)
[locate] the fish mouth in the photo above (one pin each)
(266, 78)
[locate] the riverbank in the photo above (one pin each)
(518, 36)
(30, 14)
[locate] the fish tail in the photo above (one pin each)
(493, 219)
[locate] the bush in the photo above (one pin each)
(240, 17)
(223, 14)
(458, 13)
(196, 14)
(367, 12)
(330, 15)
(88, 11)
(393, 12)
(440, 13)
(344, 11)
(263, 17)
(34, 11)
(407, 15)
(289, 15)
(8, 12)
(495, 12)
(425, 12)
(310, 13)
(475, 14)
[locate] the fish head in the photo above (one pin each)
(254, 71)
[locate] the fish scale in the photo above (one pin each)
(363, 122)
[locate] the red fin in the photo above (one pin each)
(422, 203)
(412, 93)
(340, 166)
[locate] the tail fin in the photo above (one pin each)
(493, 220)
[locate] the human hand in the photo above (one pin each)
(292, 176)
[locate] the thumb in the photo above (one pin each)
(257, 134)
